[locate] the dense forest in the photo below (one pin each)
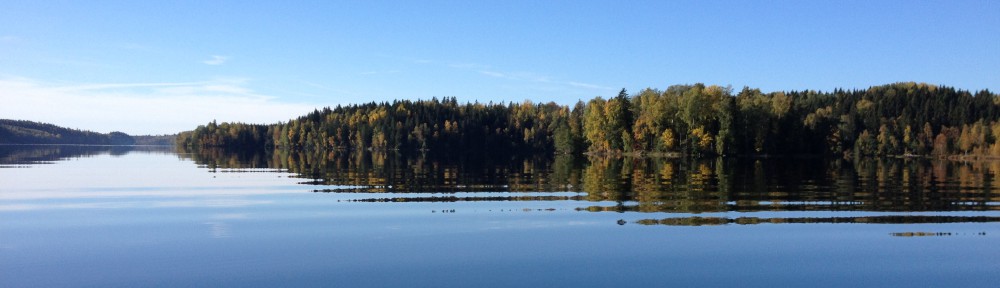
(888, 120)
(28, 132)
(155, 140)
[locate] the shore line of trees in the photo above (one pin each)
(901, 119)
(30, 132)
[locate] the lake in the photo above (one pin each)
(107, 216)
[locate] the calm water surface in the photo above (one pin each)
(147, 216)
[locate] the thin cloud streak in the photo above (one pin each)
(216, 60)
(488, 70)
(379, 72)
(524, 76)
(106, 86)
(494, 74)
(589, 86)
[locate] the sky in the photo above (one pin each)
(161, 67)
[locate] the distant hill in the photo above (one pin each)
(161, 140)
(29, 132)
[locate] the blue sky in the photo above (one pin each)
(151, 67)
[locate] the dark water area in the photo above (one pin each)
(151, 216)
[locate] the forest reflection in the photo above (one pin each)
(893, 219)
(24, 155)
(647, 184)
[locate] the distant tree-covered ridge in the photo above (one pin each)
(896, 119)
(28, 132)
(157, 140)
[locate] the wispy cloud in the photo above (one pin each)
(135, 46)
(524, 76)
(327, 88)
(142, 108)
(73, 62)
(493, 73)
(588, 86)
(110, 86)
(379, 72)
(216, 60)
(468, 66)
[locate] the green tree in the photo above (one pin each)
(595, 126)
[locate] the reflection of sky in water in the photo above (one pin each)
(218, 229)
(144, 174)
(146, 181)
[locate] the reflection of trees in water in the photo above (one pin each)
(42, 154)
(811, 185)
(926, 234)
(646, 184)
(400, 173)
(895, 219)
(470, 199)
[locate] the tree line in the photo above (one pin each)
(29, 132)
(896, 119)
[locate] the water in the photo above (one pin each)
(147, 216)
